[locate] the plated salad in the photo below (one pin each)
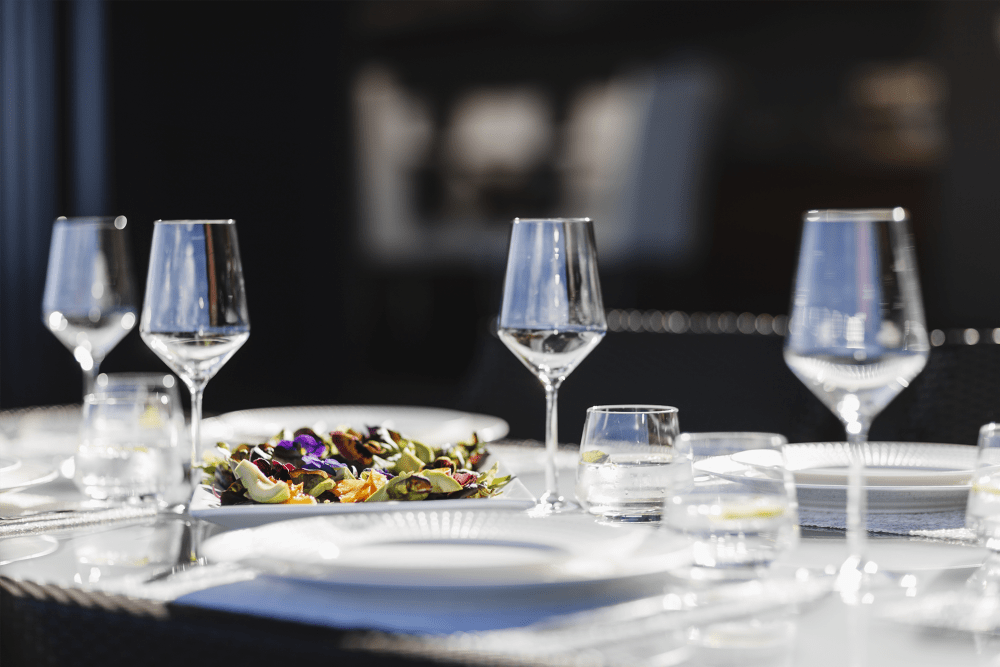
(347, 466)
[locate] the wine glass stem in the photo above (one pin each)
(90, 377)
(857, 496)
(551, 443)
(197, 391)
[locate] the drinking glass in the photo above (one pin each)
(725, 443)
(857, 335)
(982, 516)
(738, 525)
(195, 313)
(975, 607)
(628, 462)
(89, 304)
(552, 315)
(130, 439)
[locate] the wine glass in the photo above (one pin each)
(552, 315)
(89, 301)
(857, 335)
(195, 313)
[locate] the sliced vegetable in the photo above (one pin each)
(258, 486)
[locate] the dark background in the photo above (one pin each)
(243, 110)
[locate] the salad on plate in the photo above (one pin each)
(347, 466)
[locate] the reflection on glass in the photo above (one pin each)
(767, 640)
(127, 551)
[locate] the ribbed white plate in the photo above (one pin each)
(886, 463)
(28, 473)
(432, 426)
(882, 498)
(433, 550)
(28, 546)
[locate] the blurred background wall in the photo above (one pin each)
(374, 154)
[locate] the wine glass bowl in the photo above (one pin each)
(856, 336)
(89, 300)
(552, 315)
(195, 314)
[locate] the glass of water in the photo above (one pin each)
(630, 462)
(982, 516)
(726, 443)
(739, 524)
(129, 446)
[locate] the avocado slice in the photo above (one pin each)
(258, 486)
(408, 462)
(407, 486)
(441, 482)
(423, 452)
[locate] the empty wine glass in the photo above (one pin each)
(89, 301)
(857, 335)
(552, 315)
(195, 313)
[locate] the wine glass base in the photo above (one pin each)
(860, 581)
(559, 505)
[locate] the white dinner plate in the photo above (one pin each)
(204, 505)
(886, 463)
(28, 473)
(896, 555)
(8, 465)
(13, 549)
(903, 498)
(432, 426)
(435, 550)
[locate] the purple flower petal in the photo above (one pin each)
(310, 445)
(310, 462)
(287, 445)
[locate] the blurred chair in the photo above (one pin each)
(958, 391)
(732, 382)
(720, 382)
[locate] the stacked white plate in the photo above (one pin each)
(17, 474)
(900, 476)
